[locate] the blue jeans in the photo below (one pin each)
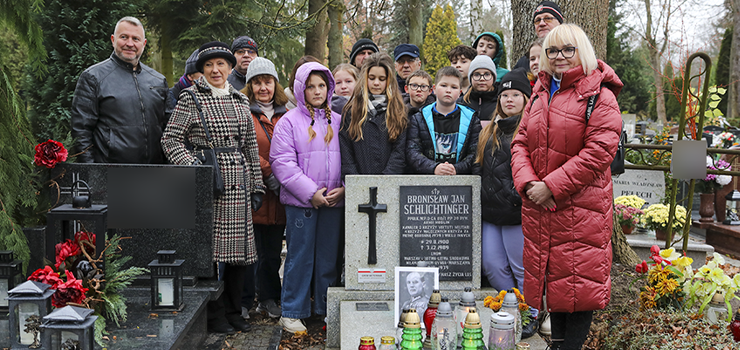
(502, 250)
(312, 237)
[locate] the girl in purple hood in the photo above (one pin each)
(305, 158)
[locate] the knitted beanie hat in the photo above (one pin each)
(260, 66)
(190, 67)
(517, 80)
(244, 42)
(482, 61)
(551, 8)
(362, 44)
(214, 49)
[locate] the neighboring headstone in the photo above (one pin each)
(630, 121)
(191, 236)
(646, 184)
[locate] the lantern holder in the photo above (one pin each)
(70, 319)
(167, 282)
(64, 215)
(732, 216)
(10, 270)
(35, 298)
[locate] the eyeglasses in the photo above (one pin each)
(419, 87)
(485, 76)
(546, 19)
(568, 52)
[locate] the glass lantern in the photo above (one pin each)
(716, 310)
(166, 282)
(732, 217)
(10, 269)
(501, 335)
(70, 327)
(28, 303)
(444, 328)
(467, 302)
(510, 305)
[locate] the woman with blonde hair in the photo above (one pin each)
(373, 134)
(560, 162)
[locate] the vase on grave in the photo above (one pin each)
(706, 207)
(627, 229)
(660, 234)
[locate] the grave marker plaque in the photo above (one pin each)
(436, 227)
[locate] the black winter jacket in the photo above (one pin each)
(119, 112)
(500, 202)
(483, 102)
(374, 154)
(420, 146)
(411, 110)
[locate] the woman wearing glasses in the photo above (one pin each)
(560, 163)
(481, 96)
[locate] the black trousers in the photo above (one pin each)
(227, 307)
(569, 330)
(269, 242)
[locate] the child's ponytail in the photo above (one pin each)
(329, 131)
(311, 133)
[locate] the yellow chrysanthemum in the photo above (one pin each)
(657, 274)
(666, 286)
(501, 293)
(647, 299)
(523, 307)
(487, 301)
(495, 306)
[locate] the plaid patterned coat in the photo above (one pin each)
(230, 125)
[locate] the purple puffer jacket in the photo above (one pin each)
(303, 167)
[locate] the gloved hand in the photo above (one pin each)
(256, 201)
(272, 183)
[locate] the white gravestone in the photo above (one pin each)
(646, 184)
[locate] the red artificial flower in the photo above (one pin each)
(654, 250)
(642, 268)
(83, 236)
(69, 292)
(66, 250)
(49, 153)
(46, 275)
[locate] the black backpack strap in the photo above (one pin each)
(202, 118)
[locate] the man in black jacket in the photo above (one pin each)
(120, 105)
(547, 16)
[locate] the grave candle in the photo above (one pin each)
(165, 287)
(26, 310)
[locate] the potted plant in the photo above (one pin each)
(628, 217)
(709, 280)
(655, 217)
(664, 285)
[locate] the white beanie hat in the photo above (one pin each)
(480, 61)
(260, 66)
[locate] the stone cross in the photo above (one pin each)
(372, 209)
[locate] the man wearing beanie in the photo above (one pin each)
(361, 49)
(186, 80)
(547, 16)
(245, 50)
(120, 105)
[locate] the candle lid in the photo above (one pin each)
(444, 309)
(412, 319)
(502, 320)
(435, 299)
(510, 300)
(468, 298)
(388, 340)
(367, 341)
(472, 321)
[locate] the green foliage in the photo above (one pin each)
(629, 64)
(502, 63)
(441, 36)
(672, 86)
(76, 35)
(14, 53)
(723, 68)
(18, 15)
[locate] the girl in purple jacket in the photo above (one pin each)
(305, 158)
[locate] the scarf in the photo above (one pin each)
(267, 109)
(185, 82)
(219, 92)
(376, 104)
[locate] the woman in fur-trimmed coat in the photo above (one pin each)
(226, 113)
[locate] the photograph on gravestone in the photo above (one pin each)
(436, 227)
(414, 286)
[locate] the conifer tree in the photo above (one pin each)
(502, 63)
(723, 68)
(441, 36)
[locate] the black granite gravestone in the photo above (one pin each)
(161, 207)
(436, 227)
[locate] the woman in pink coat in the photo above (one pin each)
(560, 162)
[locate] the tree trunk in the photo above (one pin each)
(316, 35)
(476, 25)
(733, 104)
(622, 253)
(416, 23)
(165, 49)
(591, 15)
(659, 93)
(335, 12)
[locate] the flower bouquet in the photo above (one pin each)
(664, 287)
(710, 279)
(525, 312)
(713, 182)
(80, 282)
(630, 201)
(656, 217)
(724, 140)
(628, 217)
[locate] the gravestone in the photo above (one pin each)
(161, 207)
(436, 219)
(646, 184)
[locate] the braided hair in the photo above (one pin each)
(327, 111)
